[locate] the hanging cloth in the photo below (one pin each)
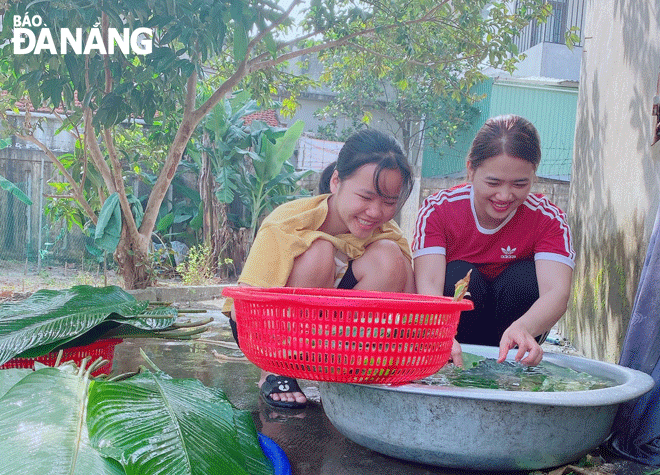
(636, 428)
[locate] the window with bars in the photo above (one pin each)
(566, 14)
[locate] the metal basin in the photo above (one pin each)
(483, 429)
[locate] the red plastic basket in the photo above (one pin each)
(348, 336)
(100, 348)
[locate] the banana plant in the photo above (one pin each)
(14, 190)
(8, 185)
(271, 149)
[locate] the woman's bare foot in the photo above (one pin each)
(281, 391)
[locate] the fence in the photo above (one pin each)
(27, 235)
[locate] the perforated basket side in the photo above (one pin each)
(336, 343)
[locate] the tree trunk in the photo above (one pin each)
(212, 210)
(134, 262)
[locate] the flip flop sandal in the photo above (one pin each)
(280, 384)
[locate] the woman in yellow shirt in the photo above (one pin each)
(343, 239)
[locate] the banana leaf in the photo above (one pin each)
(108, 227)
(153, 424)
(49, 319)
(42, 429)
(13, 189)
(155, 322)
(11, 376)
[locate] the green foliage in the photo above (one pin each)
(267, 180)
(108, 227)
(427, 89)
(184, 427)
(8, 185)
(50, 426)
(149, 424)
(250, 163)
(14, 190)
(49, 319)
(198, 266)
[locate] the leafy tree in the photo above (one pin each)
(230, 44)
(426, 94)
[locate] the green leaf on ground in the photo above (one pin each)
(153, 424)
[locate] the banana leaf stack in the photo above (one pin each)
(50, 320)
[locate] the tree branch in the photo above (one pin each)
(191, 118)
(129, 219)
(260, 36)
(75, 189)
(96, 154)
(256, 64)
(78, 136)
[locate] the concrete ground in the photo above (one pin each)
(312, 444)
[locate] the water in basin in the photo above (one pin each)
(480, 372)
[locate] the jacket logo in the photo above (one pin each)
(508, 253)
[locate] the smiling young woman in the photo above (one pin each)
(517, 244)
(345, 238)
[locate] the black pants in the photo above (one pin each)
(497, 303)
(347, 282)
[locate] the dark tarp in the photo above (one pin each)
(636, 429)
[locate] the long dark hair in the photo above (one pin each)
(370, 146)
(506, 134)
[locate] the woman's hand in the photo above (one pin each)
(518, 335)
(456, 353)
(554, 280)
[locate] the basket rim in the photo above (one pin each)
(347, 297)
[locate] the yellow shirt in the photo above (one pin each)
(289, 231)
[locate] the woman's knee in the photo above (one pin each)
(315, 267)
(384, 264)
(516, 289)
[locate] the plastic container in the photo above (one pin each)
(100, 348)
(345, 336)
(275, 454)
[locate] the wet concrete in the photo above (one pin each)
(312, 444)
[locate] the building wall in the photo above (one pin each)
(550, 106)
(551, 60)
(615, 185)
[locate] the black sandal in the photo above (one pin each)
(280, 384)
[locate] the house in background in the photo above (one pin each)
(543, 89)
(544, 44)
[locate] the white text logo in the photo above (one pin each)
(26, 41)
(508, 253)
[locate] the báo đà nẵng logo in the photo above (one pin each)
(26, 41)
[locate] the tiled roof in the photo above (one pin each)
(268, 116)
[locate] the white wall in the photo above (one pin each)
(550, 60)
(615, 188)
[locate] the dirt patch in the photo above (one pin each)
(19, 280)
(22, 279)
